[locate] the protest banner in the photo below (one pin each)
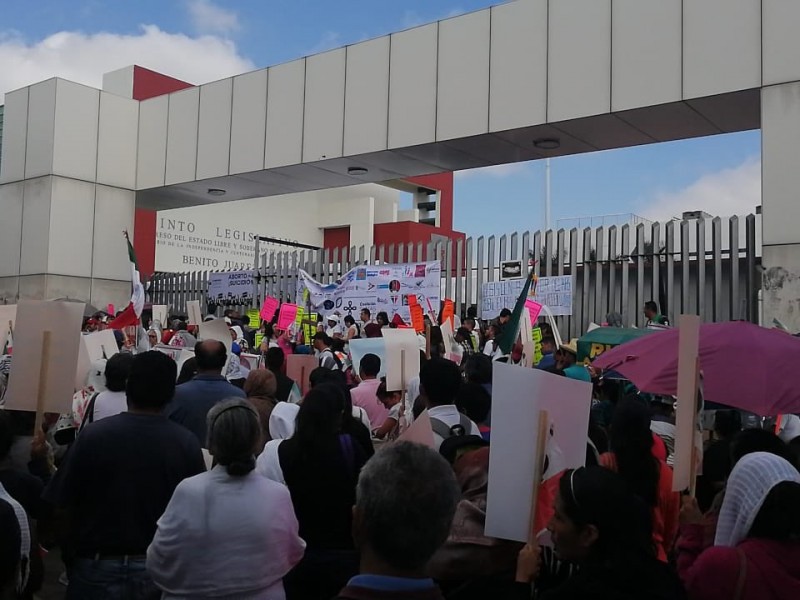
(519, 396)
(193, 308)
(299, 367)
(287, 315)
(420, 431)
(362, 346)
(268, 308)
(552, 292)
(375, 287)
(161, 315)
(402, 358)
(684, 467)
(232, 288)
(46, 348)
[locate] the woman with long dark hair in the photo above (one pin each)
(320, 465)
(606, 530)
(631, 456)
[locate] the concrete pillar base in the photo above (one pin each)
(781, 285)
(97, 292)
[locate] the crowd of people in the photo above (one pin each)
(219, 479)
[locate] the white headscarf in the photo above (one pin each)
(789, 428)
(281, 421)
(749, 484)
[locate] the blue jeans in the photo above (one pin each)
(110, 579)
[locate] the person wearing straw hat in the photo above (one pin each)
(566, 357)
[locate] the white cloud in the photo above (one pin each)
(732, 191)
(207, 17)
(496, 171)
(85, 57)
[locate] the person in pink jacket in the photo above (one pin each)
(756, 552)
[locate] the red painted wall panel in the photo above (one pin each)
(337, 237)
(149, 84)
(144, 241)
(444, 183)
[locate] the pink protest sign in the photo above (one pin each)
(287, 315)
(534, 308)
(268, 308)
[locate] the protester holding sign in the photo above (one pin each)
(602, 526)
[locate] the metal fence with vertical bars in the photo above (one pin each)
(615, 269)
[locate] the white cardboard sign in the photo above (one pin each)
(216, 330)
(518, 396)
(94, 346)
(161, 314)
(195, 316)
(63, 320)
(402, 358)
(686, 411)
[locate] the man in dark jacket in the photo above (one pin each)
(416, 482)
(274, 360)
(195, 398)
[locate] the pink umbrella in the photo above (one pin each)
(743, 365)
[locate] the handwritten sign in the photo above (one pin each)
(255, 318)
(448, 310)
(287, 315)
(268, 308)
(417, 318)
(553, 292)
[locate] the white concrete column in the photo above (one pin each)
(67, 184)
(780, 155)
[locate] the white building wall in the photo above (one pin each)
(220, 236)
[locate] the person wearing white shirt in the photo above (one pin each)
(334, 330)
(440, 380)
(230, 532)
(113, 400)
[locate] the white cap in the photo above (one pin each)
(334, 318)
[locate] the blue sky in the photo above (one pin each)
(201, 40)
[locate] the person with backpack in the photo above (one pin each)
(326, 356)
(440, 381)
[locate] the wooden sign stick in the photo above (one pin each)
(428, 340)
(538, 471)
(41, 392)
(695, 457)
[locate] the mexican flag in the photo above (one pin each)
(130, 316)
(511, 329)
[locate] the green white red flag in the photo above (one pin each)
(132, 313)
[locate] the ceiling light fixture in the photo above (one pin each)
(547, 143)
(216, 192)
(357, 171)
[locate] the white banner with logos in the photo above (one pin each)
(553, 292)
(375, 287)
(233, 288)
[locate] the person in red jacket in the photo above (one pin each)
(756, 552)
